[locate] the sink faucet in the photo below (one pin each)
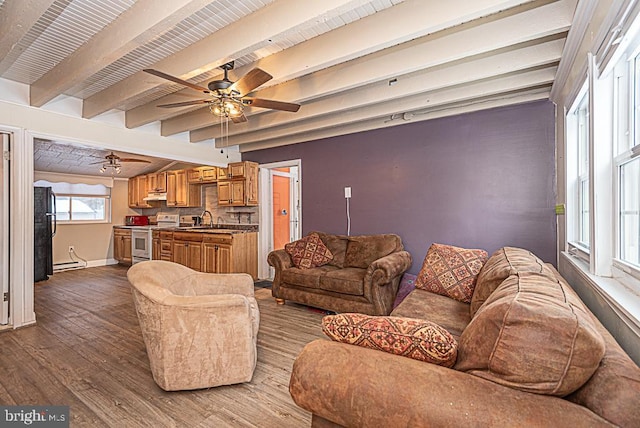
(210, 217)
(219, 220)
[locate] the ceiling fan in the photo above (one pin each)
(114, 161)
(228, 98)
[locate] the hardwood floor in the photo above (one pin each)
(87, 352)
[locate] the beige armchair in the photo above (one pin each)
(200, 329)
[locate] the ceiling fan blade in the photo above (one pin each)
(134, 160)
(184, 103)
(95, 163)
(275, 105)
(250, 81)
(239, 119)
(176, 80)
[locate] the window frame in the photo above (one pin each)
(107, 209)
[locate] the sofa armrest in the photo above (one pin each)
(389, 390)
(280, 260)
(383, 270)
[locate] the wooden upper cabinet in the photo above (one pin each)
(241, 187)
(138, 191)
(157, 182)
(223, 173)
(179, 192)
(203, 174)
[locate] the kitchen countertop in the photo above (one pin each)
(196, 229)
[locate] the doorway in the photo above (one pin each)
(280, 209)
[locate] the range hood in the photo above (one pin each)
(153, 196)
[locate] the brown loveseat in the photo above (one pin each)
(530, 354)
(363, 275)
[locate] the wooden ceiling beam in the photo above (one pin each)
(138, 25)
(16, 19)
(497, 100)
(357, 39)
(215, 50)
(426, 52)
(464, 72)
(409, 106)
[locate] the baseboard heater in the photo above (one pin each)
(59, 267)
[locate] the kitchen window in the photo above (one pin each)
(79, 202)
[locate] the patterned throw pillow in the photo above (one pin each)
(418, 339)
(451, 271)
(308, 252)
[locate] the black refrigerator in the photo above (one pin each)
(44, 209)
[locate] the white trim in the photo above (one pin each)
(623, 300)
(5, 146)
(21, 229)
(265, 212)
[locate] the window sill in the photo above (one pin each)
(623, 299)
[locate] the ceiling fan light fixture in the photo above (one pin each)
(226, 108)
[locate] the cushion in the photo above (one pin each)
(532, 335)
(308, 252)
(418, 339)
(309, 278)
(451, 271)
(344, 281)
(504, 262)
(364, 250)
(337, 244)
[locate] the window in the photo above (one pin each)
(578, 173)
(80, 203)
(81, 208)
(582, 120)
(627, 162)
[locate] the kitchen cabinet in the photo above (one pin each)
(166, 242)
(187, 249)
(155, 245)
(157, 182)
(222, 173)
(179, 192)
(122, 245)
(241, 189)
(229, 253)
(138, 191)
(201, 175)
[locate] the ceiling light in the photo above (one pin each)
(113, 164)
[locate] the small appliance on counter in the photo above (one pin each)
(136, 220)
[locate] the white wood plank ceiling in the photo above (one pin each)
(353, 65)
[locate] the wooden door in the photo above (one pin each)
(209, 257)
(236, 169)
(209, 174)
(251, 184)
(237, 193)
(171, 189)
(181, 188)
(118, 250)
(155, 249)
(133, 192)
(179, 252)
(194, 255)
(152, 182)
(224, 192)
(194, 175)
(223, 258)
(126, 248)
(161, 182)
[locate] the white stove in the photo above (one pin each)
(141, 238)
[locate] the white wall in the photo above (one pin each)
(93, 242)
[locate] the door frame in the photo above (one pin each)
(265, 211)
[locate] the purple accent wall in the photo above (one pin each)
(478, 180)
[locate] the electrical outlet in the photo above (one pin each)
(71, 249)
(347, 192)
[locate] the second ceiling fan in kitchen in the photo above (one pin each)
(226, 98)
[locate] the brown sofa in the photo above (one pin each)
(362, 277)
(530, 354)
